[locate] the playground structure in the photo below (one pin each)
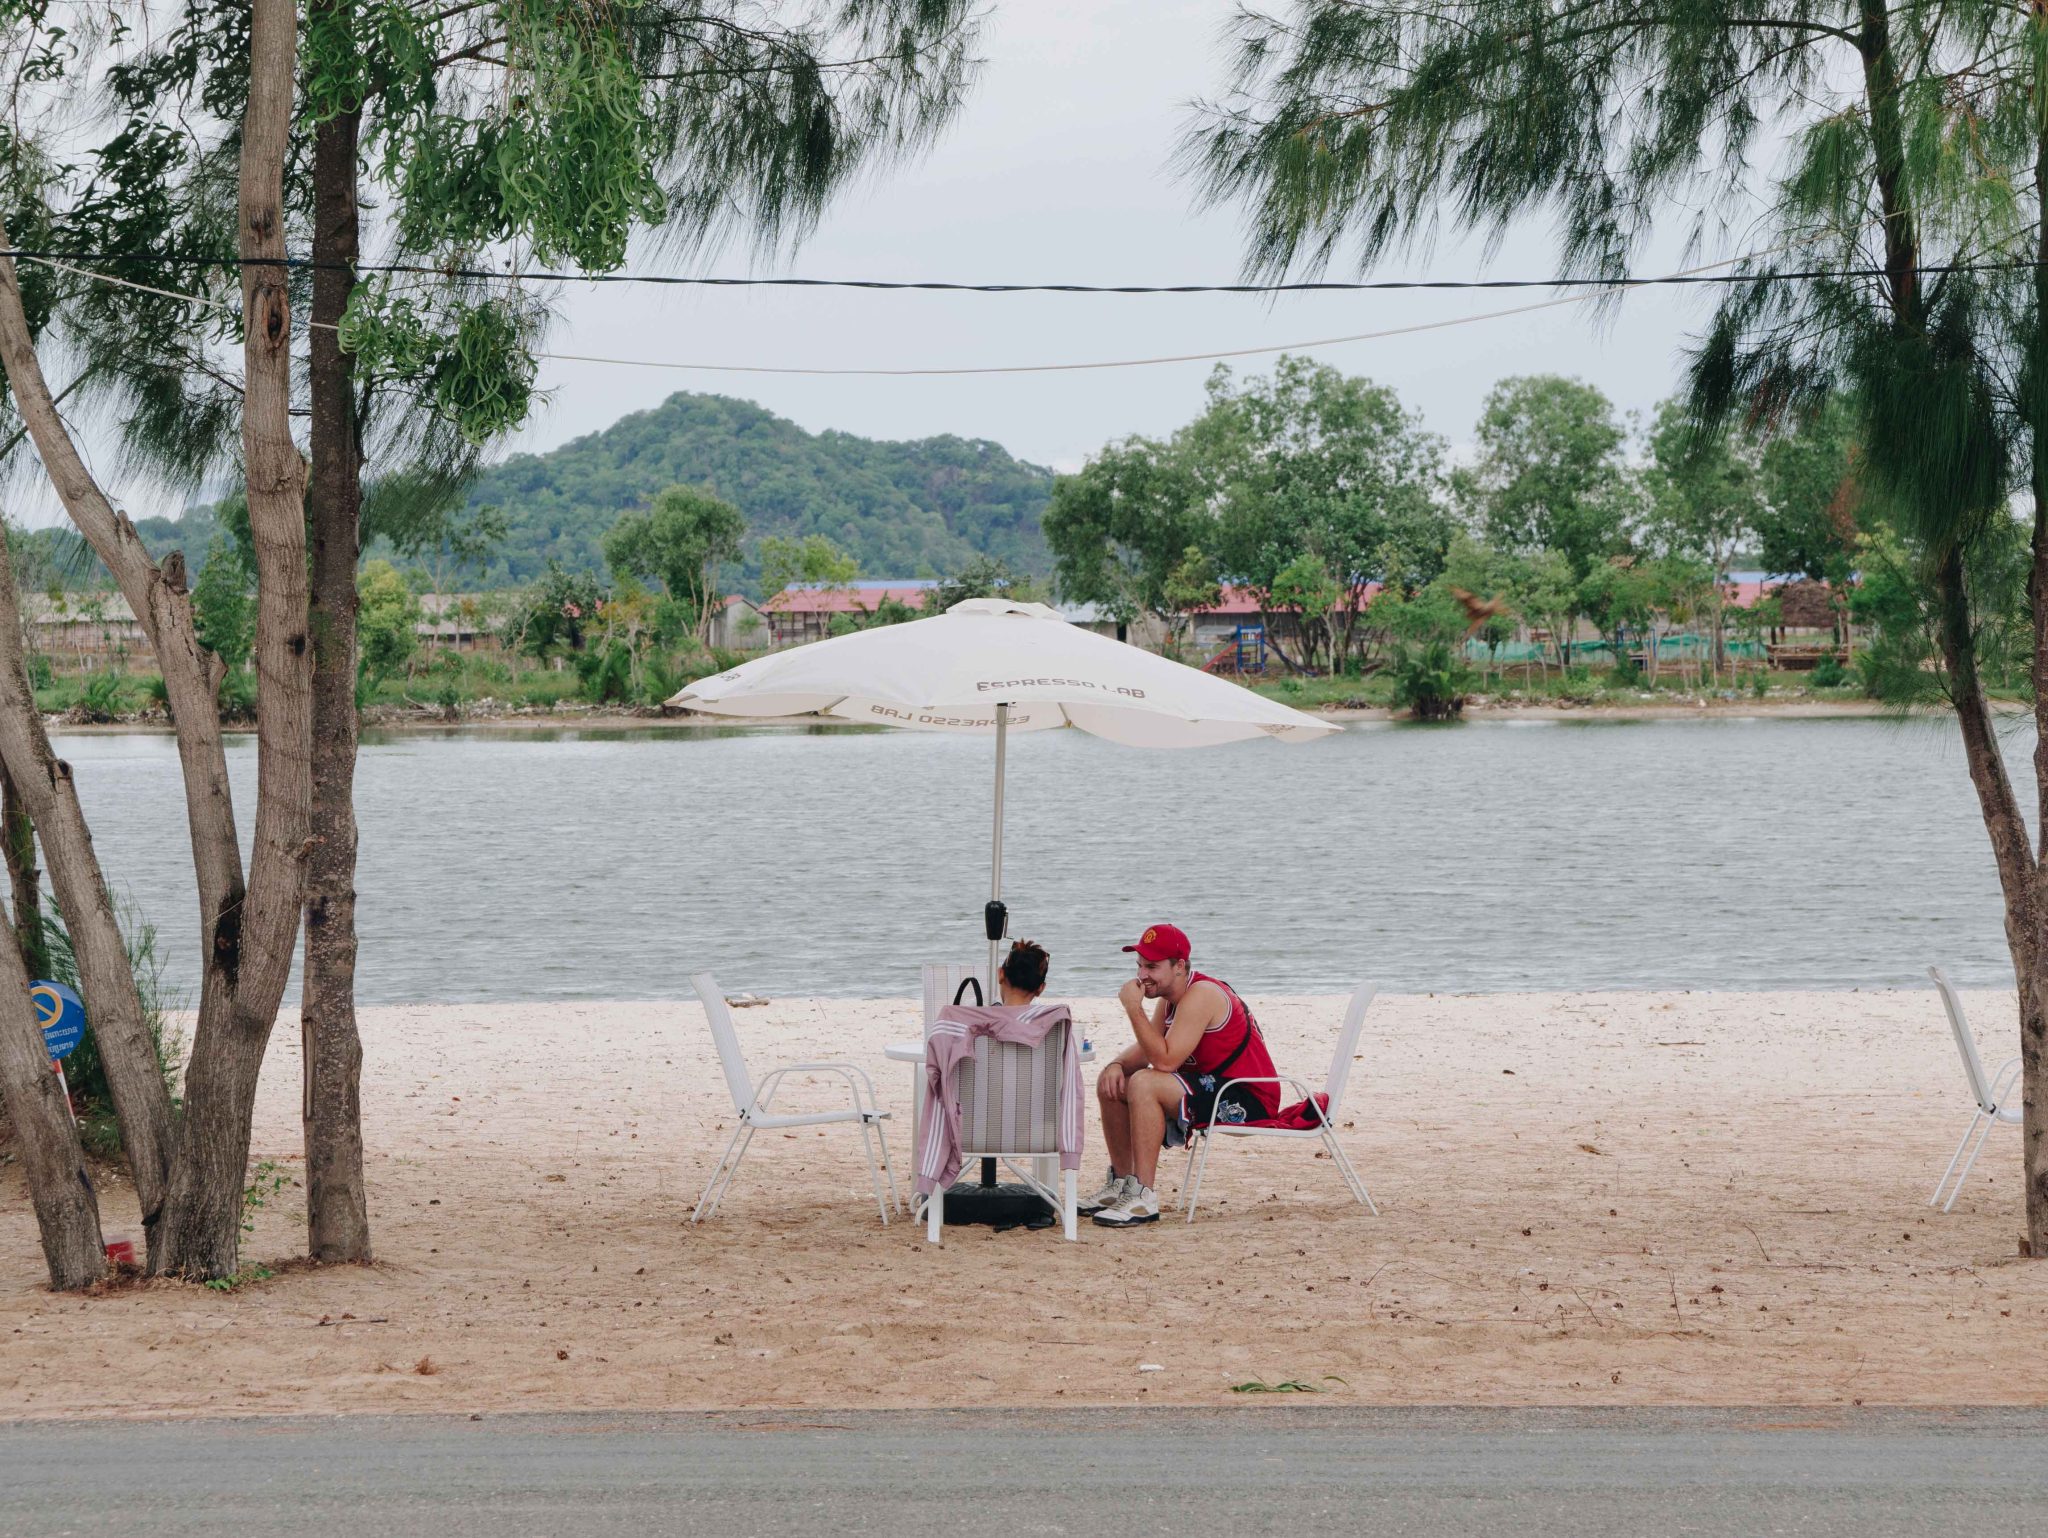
(1244, 652)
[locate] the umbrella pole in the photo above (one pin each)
(995, 879)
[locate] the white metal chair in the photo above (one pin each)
(755, 1116)
(1326, 1133)
(1990, 1094)
(1010, 1110)
(942, 984)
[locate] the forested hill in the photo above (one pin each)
(901, 509)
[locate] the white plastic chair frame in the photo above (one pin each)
(1325, 1131)
(1067, 1203)
(752, 1108)
(1990, 1108)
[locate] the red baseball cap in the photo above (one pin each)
(1161, 942)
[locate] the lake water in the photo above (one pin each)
(1485, 856)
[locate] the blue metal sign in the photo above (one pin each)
(61, 1014)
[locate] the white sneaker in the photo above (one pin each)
(1139, 1204)
(1111, 1193)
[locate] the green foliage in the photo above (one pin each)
(606, 673)
(1620, 597)
(477, 370)
(888, 610)
(984, 576)
(1304, 461)
(237, 696)
(1118, 527)
(1550, 474)
(84, 1072)
(1305, 586)
(264, 1185)
(556, 129)
(1312, 459)
(1431, 679)
(1547, 594)
(897, 509)
(555, 613)
(681, 541)
(1807, 523)
(1829, 673)
(224, 607)
(812, 561)
(386, 621)
(103, 698)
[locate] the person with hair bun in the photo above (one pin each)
(1022, 978)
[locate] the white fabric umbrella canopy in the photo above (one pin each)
(994, 666)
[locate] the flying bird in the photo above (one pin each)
(1478, 610)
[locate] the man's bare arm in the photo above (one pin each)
(1166, 1050)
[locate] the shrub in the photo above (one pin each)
(83, 1070)
(1430, 679)
(606, 673)
(238, 697)
(103, 698)
(1829, 673)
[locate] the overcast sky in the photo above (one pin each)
(1057, 171)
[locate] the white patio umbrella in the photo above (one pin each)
(993, 666)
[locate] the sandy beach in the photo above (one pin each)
(1705, 1198)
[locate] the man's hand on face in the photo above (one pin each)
(1113, 1081)
(1132, 996)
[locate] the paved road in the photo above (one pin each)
(1298, 1470)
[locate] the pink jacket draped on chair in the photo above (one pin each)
(950, 1043)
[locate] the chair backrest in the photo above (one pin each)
(1973, 1065)
(1347, 1043)
(1010, 1095)
(941, 982)
(727, 1039)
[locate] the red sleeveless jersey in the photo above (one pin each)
(1236, 1049)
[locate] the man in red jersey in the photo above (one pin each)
(1195, 1037)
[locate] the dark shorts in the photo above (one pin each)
(1200, 1107)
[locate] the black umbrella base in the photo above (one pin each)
(999, 1206)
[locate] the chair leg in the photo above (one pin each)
(935, 1215)
(731, 1173)
(1201, 1168)
(874, 1171)
(882, 1136)
(743, 1138)
(718, 1169)
(1964, 1173)
(1953, 1159)
(1070, 1216)
(1187, 1169)
(1343, 1161)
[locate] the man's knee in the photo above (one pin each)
(1154, 1086)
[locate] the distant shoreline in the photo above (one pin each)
(626, 721)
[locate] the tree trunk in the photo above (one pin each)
(204, 1232)
(43, 781)
(191, 673)
(67, 1212)
(2019, 874)
(18, 835)
(337, 1210)
(2034, 1000)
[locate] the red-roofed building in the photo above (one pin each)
(804, 613)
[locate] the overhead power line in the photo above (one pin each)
(1600, 289)
(936, 285)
